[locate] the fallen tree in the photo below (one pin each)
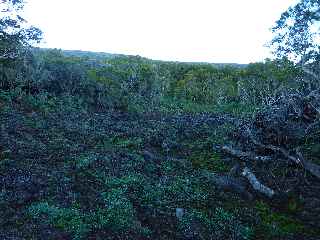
(277, 153)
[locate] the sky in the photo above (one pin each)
(217, 31)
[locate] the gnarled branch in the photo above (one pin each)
(256, 184)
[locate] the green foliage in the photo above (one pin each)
(202, 156)
(137, 84)
(119, 213)
(220, 225)
(84, 161)
(4, 156)
(117, 216)
(260, 82)
(209, 161)
(274, 225)
(69, 219)
(205, 84)
(296, 33)
(125, 183)
(15, 34)
(118, 142)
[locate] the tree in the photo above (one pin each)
(297, 37)
(16, 38)
(15, 33)
(297, 34)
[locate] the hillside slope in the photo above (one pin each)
(130, 148)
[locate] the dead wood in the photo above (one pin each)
(245, 156)
(256, 183)
(282, 144)
(229, 183)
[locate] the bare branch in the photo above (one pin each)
(228, 183)
(273, 148)
(256, 184)
(314, 169)
(245, 156)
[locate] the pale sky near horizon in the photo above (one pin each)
(217, 31)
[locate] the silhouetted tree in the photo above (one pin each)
(15, 33)
(297, 32)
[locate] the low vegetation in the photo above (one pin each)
(102, 146)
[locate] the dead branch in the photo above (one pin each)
(256, 184)
(228, 183)
(314, 169)
(273, 148)
(245, 156)
(311, 167)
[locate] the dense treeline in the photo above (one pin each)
(104, 81)
(139, 84)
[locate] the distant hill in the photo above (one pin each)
(104, 55)
(95, 55)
